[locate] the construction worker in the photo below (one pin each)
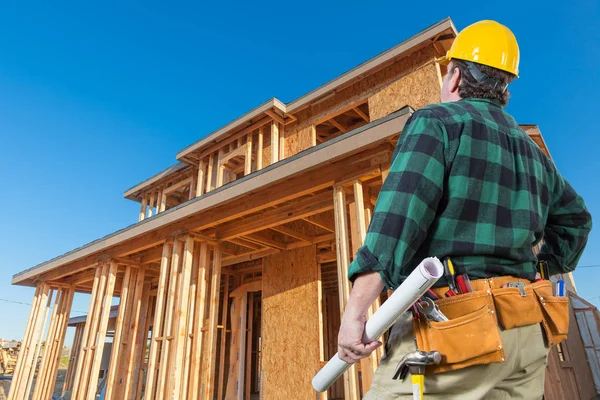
(467, 183)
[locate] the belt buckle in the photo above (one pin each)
(520, 286)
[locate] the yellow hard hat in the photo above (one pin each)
(488, 43)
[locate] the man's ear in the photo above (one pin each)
(454, 80)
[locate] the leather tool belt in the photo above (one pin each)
(471, 336)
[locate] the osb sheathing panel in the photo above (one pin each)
(416, 90)
(299, 140)
(361, 90)
(290, 347)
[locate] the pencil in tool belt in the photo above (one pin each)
(463, 283)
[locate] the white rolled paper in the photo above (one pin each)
(414, 286)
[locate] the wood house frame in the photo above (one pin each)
(233, 281)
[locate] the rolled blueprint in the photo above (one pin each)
(413, 287)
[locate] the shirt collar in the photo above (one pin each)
(490, 101)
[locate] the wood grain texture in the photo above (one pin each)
(299, 140)
(290, 316)
(417, 89)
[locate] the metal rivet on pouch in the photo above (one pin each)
(500, 346)
(503, 360)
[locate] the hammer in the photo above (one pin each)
(415, 362)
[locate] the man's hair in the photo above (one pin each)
(493, 87)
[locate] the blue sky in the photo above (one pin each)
(95, 99)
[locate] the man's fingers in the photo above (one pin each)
(370, 347)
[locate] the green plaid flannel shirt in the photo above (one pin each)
(468, 183)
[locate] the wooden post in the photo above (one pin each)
(143, 207)
(223, 336)
(248, 159)
(75, 349)
(28, 345)
(148, 303)
(26, 340)
(248, 376)
(151, 204)
(358, 228)
(116, 347)
(182, 318)
(30, 368)
(133, 332)
(83, 377)
(196, 378)
(322, 340)
(201, 185)
(157, 331)
(190, 325)
(221, 169)
(54, 340)
(343, 260)
(41, 376)
(274, 142)
(101, 332)
(209, 172)
(212, 324)
(259, 149)
(167, 334)
(281, 141)
(163, 201)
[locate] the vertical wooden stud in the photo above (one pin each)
(151, 204)
(343, 261)
(201, 185)
(212, 325)
(281, 141)
(157, 330)
(182, 317)
(116, 347)
(313, 136)
(248, 376)
(223, 336)
(136, 312)
(101, 332)
(196, 377)
(209, 172)
(259, 149)
(167, 335)
(274, 142)
(248, 158)
(143, 207)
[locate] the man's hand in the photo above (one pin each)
(350, 345)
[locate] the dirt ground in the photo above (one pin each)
(5, 385)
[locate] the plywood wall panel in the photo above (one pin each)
(290, 347)
(299, 140)
(416, 90)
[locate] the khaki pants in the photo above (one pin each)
(520, 377)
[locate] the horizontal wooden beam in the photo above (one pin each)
(292, 233)
(177, 185)
(273, 217)
(249, 257)
(256, 238)
(361, 114)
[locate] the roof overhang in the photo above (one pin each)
(134, 192)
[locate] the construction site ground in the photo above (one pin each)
(5, 384)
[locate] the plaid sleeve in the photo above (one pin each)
(567, 229)
(408, 200)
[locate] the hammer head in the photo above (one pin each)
(415, 362)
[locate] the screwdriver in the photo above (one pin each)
(449, 274)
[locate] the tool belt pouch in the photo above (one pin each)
(470, 336)
(555, 312)
(517, 306)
